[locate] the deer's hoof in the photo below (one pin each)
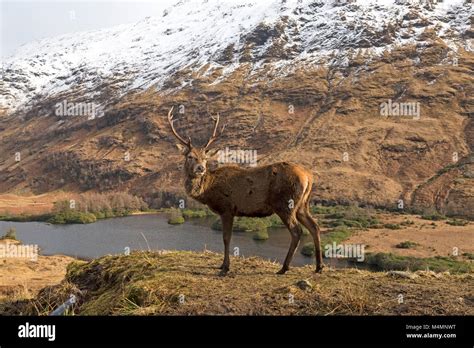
(223, 272)
(282, 271)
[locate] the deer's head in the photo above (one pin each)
(195, 157)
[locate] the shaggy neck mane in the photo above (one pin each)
(196, 187)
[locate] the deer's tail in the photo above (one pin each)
(307, 193)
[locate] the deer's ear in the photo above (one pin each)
(183, 149)
(212, 153)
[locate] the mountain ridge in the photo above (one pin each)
(326, 116)
(219, 34)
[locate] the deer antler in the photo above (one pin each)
(171, 121)
(214, 132)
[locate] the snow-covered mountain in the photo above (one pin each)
(205, 36)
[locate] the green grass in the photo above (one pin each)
(120, 213)
(72, 217)
(337, 235)
(106, 214)
(67, 217)
(470, 256)
(392, 226)
(244, 224)
(196, 213)
(175, 217)
(457, 222)
(176, 220)
(433, 217)
(260, 235)
(25, 218)
(323, 210)
(78, 217)
(350, 216)
(389, 262)
(274, 221)
(406, 245)
(248, 224)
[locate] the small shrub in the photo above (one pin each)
(470, 256)
(457, 222)
(335, 235)
(308, 249)
(274, 221)
(391, 262)
(108, 214)
(376, 226)
(260, 235)
(352, 216)
(175, 217)
(407, 223)
(243, 224)
(217, 225)
(86, 218)
(72, 217)
(190, 213)
(177, 220)
(101, 205)
(392, 226)
(10, 234)
(406, 245)
(323, 210)
(100, 215)
(344, 223)
(433, 217)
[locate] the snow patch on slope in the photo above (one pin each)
(195, 33)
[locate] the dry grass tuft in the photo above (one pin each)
(187, 283)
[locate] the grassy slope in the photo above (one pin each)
(151, 284)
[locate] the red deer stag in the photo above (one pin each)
(281, 188)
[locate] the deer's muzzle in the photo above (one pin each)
(199, 169)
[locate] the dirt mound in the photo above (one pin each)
(186, 283)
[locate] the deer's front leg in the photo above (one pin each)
(227, 222)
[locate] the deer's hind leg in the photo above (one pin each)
(307, 221)
(289, 219)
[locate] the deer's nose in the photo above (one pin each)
(200, 168)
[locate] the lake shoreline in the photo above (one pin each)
(44, 217)
(398, 234)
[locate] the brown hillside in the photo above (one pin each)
(316, 116)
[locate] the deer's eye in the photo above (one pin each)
(191, 157)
